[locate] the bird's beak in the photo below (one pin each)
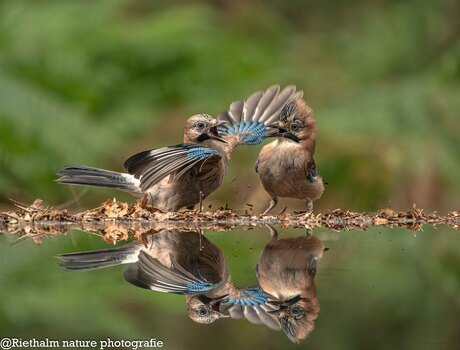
(293, 300)
(281, 132)
(289, 135)
(219, 299)
(215, 305)
(281, 309)
(213, 133)
(276, 130)
(283, 304)
(221, 122)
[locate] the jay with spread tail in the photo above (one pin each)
(186, 263)
(286, 165)
(181, 176)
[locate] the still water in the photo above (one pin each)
(262, 288)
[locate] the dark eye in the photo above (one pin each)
(295, 127)
(200, 125)
(202, 311)
(296, 310)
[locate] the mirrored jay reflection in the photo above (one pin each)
(187, 263)
(286, 271)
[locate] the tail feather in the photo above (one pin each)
(97, 259)
(84, 175)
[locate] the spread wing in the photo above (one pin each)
(152, 166)
(149, 273)
(253, 304)
(247, 121)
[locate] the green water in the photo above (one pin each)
(378, 289)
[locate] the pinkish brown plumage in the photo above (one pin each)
(286, 166)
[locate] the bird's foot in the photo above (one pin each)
(309, 208)
(143, 202)
(273, 203)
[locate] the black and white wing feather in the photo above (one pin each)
(149, 273)
(152, 166)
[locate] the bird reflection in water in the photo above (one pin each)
(187, 263)
(182, 262)
(286, 271)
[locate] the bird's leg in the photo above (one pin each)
(143, 202)
(273, 203)
(309, 208)
(312, 266)
(309, 231)
(201, 201)
(273, 232)
(201, 244)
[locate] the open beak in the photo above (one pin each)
(215, 305)
(219, 299)
(214, 134)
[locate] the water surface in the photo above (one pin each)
(380, 288)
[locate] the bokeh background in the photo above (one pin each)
(93, 82)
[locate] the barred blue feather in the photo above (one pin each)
(250, 132)
(251, 296)
(249, 120)
(199, 287)
(201, 152)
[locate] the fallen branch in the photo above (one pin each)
(118, 220)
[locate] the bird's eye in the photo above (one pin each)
(200, 125)
(202, 311)
(295, 127)
(296, 310)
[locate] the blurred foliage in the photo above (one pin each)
(93, 82)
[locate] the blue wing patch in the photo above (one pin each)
(250, 132)
(201, 152)
(251, 296)
(199, 287)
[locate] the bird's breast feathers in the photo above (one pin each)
(283, 157)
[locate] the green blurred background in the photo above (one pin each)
(93, 82)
